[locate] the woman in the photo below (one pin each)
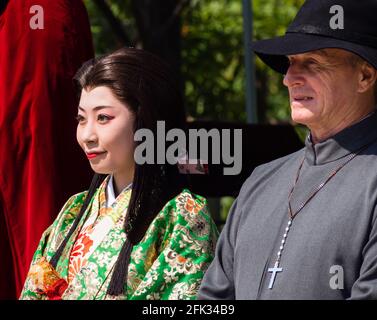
(137, 233)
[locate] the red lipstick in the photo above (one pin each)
(93, 155)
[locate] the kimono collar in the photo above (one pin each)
(343, 143)
(110, 193)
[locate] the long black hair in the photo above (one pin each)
(147, 86)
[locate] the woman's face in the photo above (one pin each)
(105, 132)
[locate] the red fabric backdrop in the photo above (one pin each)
(41, 164)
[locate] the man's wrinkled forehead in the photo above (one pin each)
(328, 53)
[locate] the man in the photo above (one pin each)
(305, 226)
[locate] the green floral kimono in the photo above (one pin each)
(168, 263)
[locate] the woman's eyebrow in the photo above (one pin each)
(95, 108)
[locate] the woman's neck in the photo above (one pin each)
(121, 181)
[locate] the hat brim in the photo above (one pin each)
(273, 51)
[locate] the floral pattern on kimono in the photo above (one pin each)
(168, 263)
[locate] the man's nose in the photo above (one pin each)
(294, 76)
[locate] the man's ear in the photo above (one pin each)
(368, 77)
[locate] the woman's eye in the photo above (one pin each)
(103, 118)
(79, 118)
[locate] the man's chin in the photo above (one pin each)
(302, 118)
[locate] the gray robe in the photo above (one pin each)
(331, 248)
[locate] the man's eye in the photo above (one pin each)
(311, 62)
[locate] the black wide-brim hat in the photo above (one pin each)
(311, 30)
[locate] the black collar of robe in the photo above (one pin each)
(345, 142)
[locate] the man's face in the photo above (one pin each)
(106, 127)
(322, 87)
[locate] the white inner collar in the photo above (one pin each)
(110, 193)
(110, 199)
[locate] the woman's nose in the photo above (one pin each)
(89, 134)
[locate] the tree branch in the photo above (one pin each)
(115, 24)
(175, 15)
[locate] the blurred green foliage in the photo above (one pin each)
(104, 37)
(213, 53)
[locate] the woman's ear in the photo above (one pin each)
(368, 77)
